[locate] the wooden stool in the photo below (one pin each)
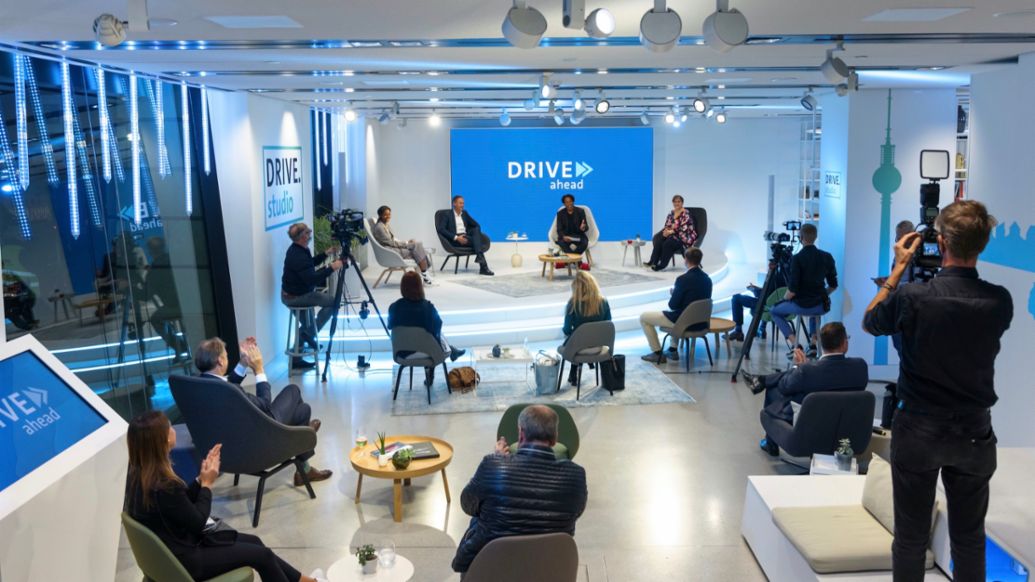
(295, 347)
(719, 325)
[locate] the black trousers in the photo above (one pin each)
(738, 303)
(577, 247)
(159, 318)
(474, 242)
(663, 250)
(210, 561)
(288, 407)
(963, 448)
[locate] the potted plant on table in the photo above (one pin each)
(843, 455)
(382, 453)
(401, 459)
(367, 559)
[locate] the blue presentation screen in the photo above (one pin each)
(513, 179)
(40, 416)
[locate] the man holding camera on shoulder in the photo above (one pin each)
(299, 281)
(806, 293)
(951, 327)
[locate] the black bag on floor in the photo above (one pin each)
(612, 373)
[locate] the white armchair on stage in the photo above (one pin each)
(592, 231)
(388, 258)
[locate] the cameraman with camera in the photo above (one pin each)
(951, 327)
(806, 294)
(299, 281)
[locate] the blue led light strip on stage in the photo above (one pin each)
(70, 150)
(316, 127)
(87, 172)
(187, 183)
(41, 123)
(105, 123)
(120, 172)
(134, 132)
(7, 157)
(204, 130)
(21, 121)
(154, 95)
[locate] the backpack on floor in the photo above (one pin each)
(612, 373)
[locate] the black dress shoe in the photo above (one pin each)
(300, 364)
(812, 352)
(755, 383)
(736, 335)
(672, 354)
(485, 271)
(455, 354)
(770, 448)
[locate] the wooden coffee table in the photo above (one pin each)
(565, 260)
(366, 464)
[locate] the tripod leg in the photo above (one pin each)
(398, 378)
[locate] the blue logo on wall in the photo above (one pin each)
(40, 416)
(513, 179)
(1010, 249)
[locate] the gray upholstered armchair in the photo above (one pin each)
(825, 418)
(253, 443)
(454, 252)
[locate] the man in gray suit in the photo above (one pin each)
(411, 249)
(831, 372)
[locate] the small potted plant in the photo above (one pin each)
(367, 559)
(382, 454)
(401, 459)
(843, 455)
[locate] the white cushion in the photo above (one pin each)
(593, 351)
(878, 498)
(417, 356)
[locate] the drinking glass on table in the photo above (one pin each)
(361, 438)
(386, 554)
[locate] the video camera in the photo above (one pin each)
(346, 227)
(782, 243)
(934, 166)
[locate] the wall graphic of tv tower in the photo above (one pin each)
(886, 180)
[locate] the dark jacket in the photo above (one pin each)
(177, 514)
(828, 374)
(530, 492)
(446, 224)
(160, 282)
(573, 319)
(263, 397)
(571, 224)
(300, 273)
(691, 286)
(406, 313)
(810, 269)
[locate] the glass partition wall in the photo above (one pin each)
(104, 233)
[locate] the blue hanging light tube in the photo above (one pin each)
(70, 150)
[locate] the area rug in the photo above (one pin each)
(532, 284)
(512, 383)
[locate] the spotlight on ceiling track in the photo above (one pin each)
(384, 118)
(700, 103)
(505, 118)
(576, 117)
(720, 117)
(670, 117)
(850, 84)
(833, 68)
(578, 104)
(524, 26)
(531, 102)
(602, 106)
(683, 117)
(660, 28)
(434, 120)
(600, 23)
(350, 114)
(110, 30)
(725, 28)
(546, 90)
(558, 116)
(808, 102)
(644, 119)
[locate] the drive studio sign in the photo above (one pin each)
(563, 175)
(29, 409)
(282, 185)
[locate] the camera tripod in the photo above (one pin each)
(775, 266)
(347, 261)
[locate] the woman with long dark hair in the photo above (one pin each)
(678, 234)
(179, 513)
(413, 310)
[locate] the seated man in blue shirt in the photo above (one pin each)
(691, 286)
(833, 371)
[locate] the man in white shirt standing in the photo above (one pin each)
(464, 232)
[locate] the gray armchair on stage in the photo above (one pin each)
(592, 342)
(454, 252)
(592, 232)
(388, 258)
(543, 558)
(414, 347)
(253, 443)
(698, 312)
(159, 564)
(824, 419)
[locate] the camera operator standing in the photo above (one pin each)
(806, 294)
(299, 281)
(951, 327)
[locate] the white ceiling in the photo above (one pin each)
(479, 75)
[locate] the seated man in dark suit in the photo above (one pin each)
(831, 372)
(529, 492)
(465, 232)
(691, 286)
(287, 408)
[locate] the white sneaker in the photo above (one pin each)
(427, 280)
(319, 575)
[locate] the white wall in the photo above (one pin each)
(724, 169)
(1002, 176)
(241, 125)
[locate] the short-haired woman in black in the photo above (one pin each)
(678, 234)
(572, 227)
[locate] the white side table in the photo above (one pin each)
(348, 569)
(827, 465)
(516, 259)
(636, 245)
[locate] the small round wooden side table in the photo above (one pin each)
(565, 260)
(366, 464)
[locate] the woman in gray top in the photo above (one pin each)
(411, 249)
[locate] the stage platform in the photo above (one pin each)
(518, 304)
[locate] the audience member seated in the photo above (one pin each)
(586, 305)
(572, 227)
(299, 281)
(678, 234)
(740, 302)
(529, 492)
(691, 286)
(806, 294)
(831, 372)
(411, 249)
(413, 310)
(464, 231)
(288, 408)
(179, 514)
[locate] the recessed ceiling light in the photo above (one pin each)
(348, 73)
(432, 73)
(601, 71)
(349, 90)
(254, 21)
(1015, 14)
(782, 79)
(914, 14)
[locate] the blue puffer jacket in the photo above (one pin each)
(530, 492)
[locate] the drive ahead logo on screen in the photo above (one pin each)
(563, 175)
(26, 407)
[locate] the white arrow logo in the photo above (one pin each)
(38, 396)
(582, 169)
